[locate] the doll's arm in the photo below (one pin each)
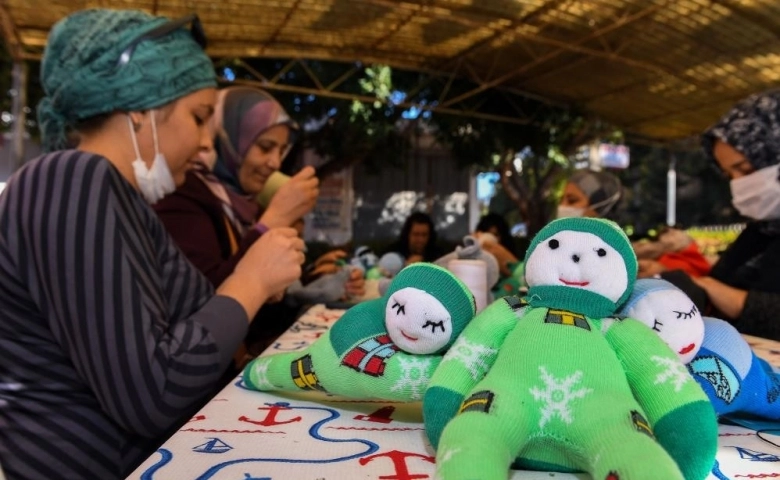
(466, 363)
(682, 418)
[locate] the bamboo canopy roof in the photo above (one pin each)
(662, 69)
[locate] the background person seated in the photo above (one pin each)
(597, 194)
(417, 240)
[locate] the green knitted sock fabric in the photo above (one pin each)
(386, 348)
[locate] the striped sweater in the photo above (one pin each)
(109, 337)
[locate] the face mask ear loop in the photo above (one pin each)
(132, 136)
(154, 136)
(610, 202)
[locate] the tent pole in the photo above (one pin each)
(18, 111)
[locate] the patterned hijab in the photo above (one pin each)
(243, 113)
(82, 78)
(752, 127)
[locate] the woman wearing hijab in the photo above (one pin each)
(590, 194)
(597, 194)
(214, 217)
(744, 285)
(109, 337)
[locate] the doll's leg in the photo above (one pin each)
(282, 371)
(623, 448)
(482, 440)
(314, 368)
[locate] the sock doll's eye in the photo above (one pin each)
(657, 325)
(601, 252)
(433, 326)
(554, 244)
(686, 315)
(400, 309)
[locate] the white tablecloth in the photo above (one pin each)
(248, 435)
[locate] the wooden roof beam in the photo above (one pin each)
(283, 70)
(562, 47)
(370, 100)
(311, 74)
(753, 17)
(509, 28)
(394, 29)
(284, 22)
(696, 108)
(252, 71)
(344, 77)
(10, 35)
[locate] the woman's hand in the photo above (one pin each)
(503, 256)
(323, 269)
(648, 268)
(267, 268)
(355, 286)
(729, 300)
(331, 257)
(293, 200)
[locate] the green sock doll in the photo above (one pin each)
(384, 348)
(558, 382)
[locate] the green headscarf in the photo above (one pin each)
(81, 78)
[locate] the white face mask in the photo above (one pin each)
(757, 195)
(156, 182)
(566, 211)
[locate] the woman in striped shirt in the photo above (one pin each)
(109, 337)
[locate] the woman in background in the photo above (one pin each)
(597, 194)
(417, 240)
(590, 194)
(744, 285)
(214, 217)
(496, 225)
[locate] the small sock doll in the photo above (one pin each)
(562, 384)
(719, 359)
(388, 266)
(364, 259)
(735, 379)
(384, 348)
(669, 312)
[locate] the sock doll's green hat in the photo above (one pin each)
(607, 230)
(445, 287)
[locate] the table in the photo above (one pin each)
(249, 435)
